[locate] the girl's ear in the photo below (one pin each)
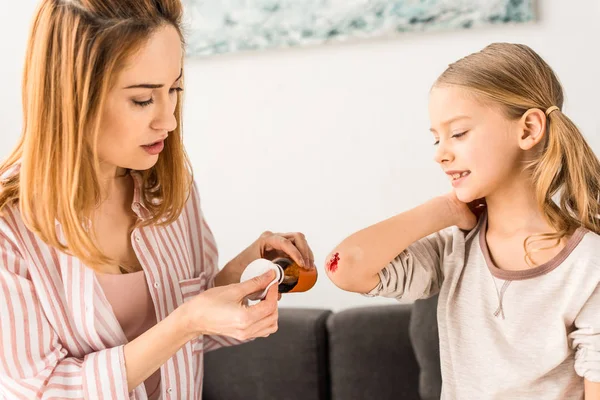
(532, 128)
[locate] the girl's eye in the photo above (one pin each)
(143, 103)
(455, 136)
(176, 89)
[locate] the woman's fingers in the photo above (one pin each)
(293, 244)
(264, 327)
(264, 315)
(299, 240)
(265, 307)
(255, 285)
(285, 245)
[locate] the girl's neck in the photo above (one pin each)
(514, 210)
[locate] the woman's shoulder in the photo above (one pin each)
(193, 199)
(191, 214)
(10, 219)
(10, 214)
(12, 230)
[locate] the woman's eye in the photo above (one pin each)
(151, 100)
(143, 103)
(457, 135)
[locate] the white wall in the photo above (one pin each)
(329, 139)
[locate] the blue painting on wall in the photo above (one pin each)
(226, 26)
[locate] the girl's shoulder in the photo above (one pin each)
(590, 240)
(587, 253)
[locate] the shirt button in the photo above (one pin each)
(156, 285)
(137, 238)
(169, 390)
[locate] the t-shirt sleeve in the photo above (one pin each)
(417, 272)
(586, 339)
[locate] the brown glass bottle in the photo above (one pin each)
(295, 277)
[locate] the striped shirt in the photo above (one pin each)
(59, 337)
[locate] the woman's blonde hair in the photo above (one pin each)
(75, 51)
(518, 79)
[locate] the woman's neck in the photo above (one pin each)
(111, 180)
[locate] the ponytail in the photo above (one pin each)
(567, 167)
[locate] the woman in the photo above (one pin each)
(108, 270)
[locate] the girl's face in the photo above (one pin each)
(139, 110)
(477, 146)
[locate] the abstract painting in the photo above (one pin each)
(226, 26)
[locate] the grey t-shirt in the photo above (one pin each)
(530, 334)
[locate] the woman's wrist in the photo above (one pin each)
(232, 271)
(146, 353)
(187, 324)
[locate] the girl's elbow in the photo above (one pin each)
(342, 271)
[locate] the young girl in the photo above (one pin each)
(109, 283)
(517, 272)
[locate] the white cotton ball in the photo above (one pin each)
(257, 268)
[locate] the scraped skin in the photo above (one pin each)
(346, 260)
(332, 264)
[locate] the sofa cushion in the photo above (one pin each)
(371, 355)
(291, 364)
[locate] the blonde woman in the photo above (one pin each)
(109, 285)
(519, 294)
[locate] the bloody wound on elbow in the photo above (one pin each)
(332, 264)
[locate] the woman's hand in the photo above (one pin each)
(273, 245)
(223, 310)
(270, 246)
(217, 311)
(464, 215)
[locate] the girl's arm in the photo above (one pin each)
(592, 390)
(354, 265)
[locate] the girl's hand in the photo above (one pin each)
(464, 215)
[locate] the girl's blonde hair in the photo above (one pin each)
(75, 51)
(518, 79)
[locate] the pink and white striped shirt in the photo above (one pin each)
(59, 337)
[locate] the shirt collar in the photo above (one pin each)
(138, 206)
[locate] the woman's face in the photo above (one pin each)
(139, 111)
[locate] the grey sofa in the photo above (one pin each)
(380, 352)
